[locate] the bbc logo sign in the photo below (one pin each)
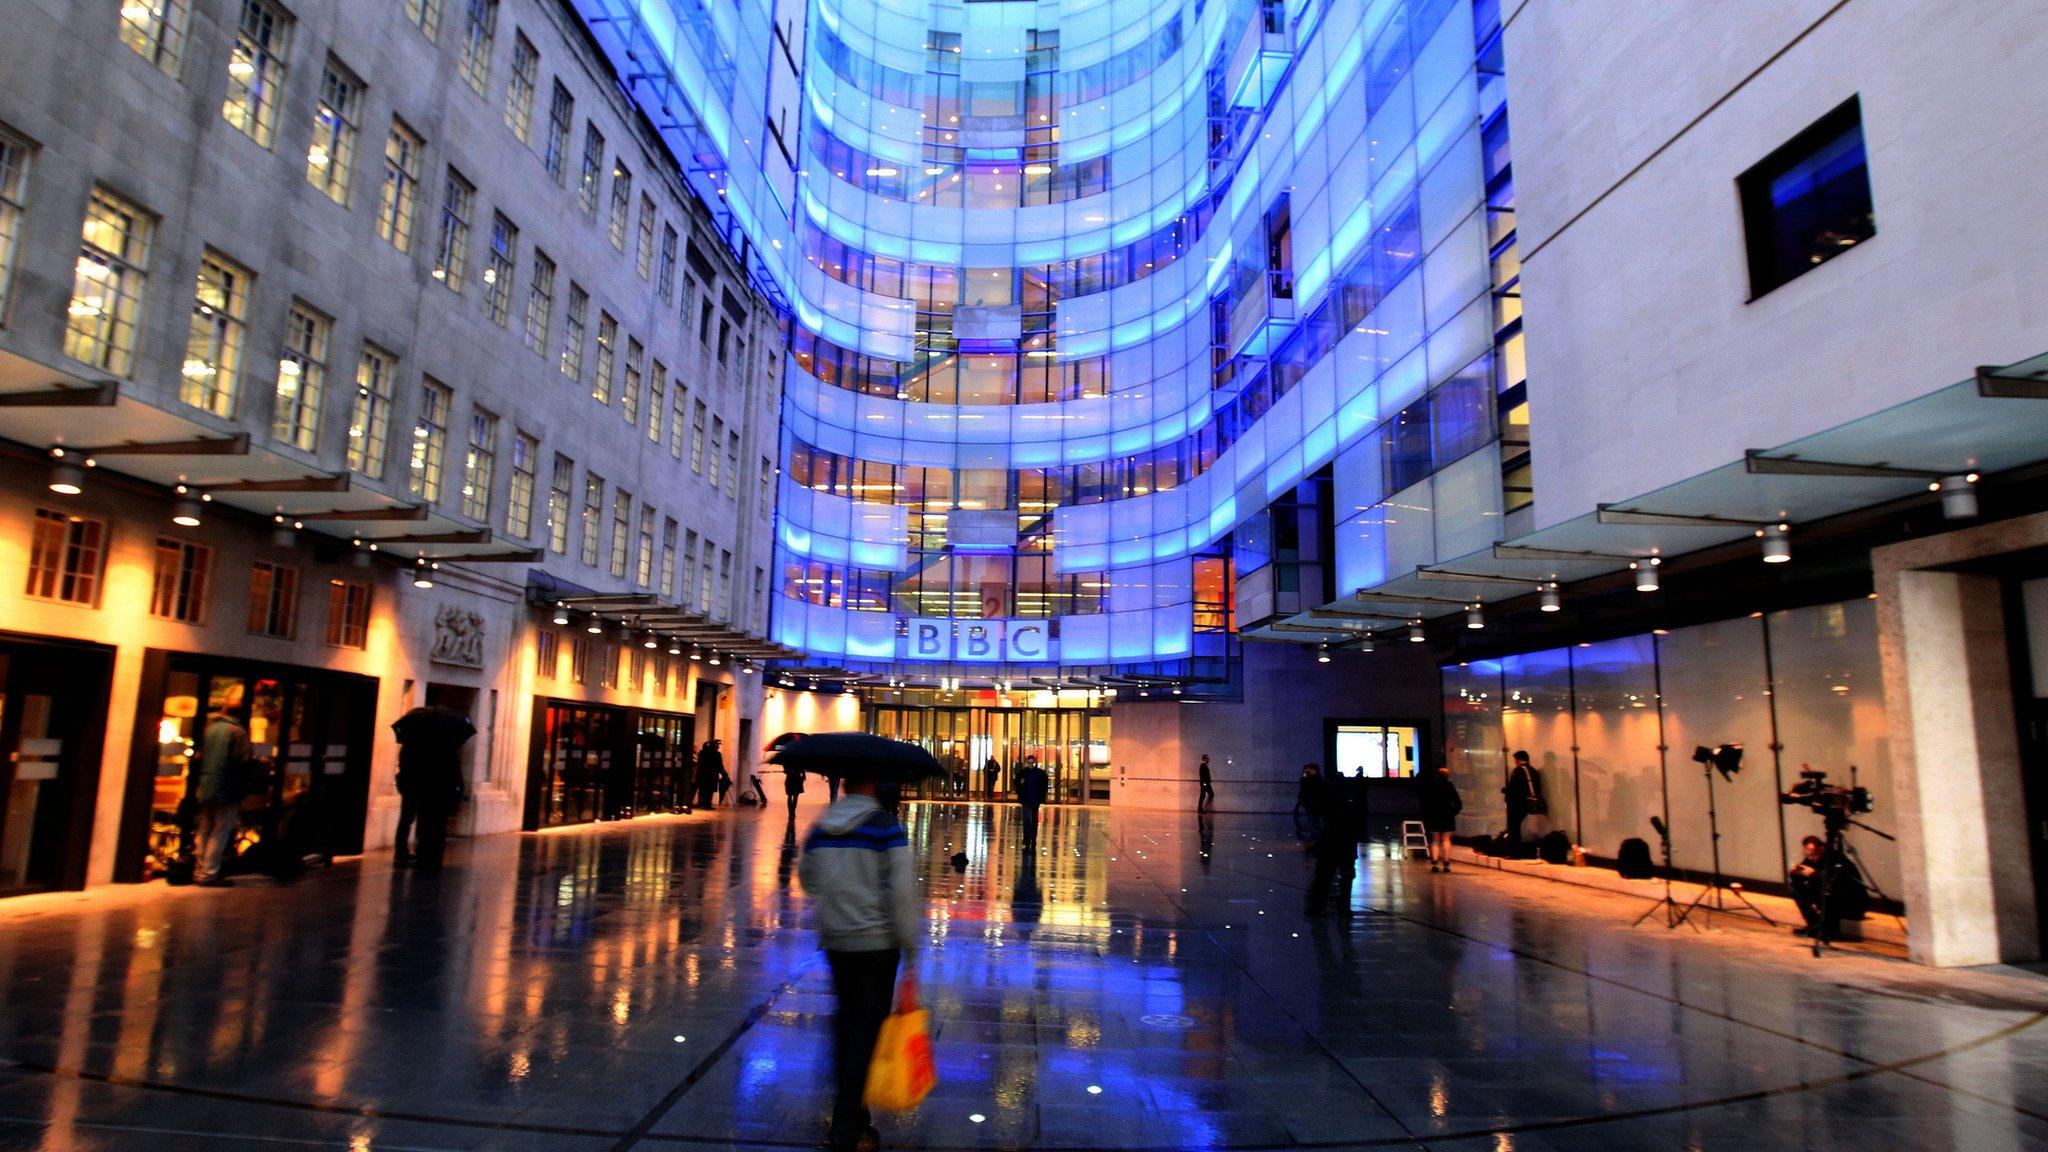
(979, 641)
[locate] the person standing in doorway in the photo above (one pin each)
(724, 785)
(1523, 797)
(1440, 807)
(1207, 796)
(710, 766)
(1032, 785)
(857, 871)
(793, 787)
(990, 769)
(217, 795)
(430, 740)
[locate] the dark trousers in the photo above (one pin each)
(1207, 797)
(792, 807)
(864, 983)
(433, 832)
(1336, 866)
(1516, 814)
(1030, 825)
(407, 813)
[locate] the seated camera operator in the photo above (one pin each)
(1809, 882)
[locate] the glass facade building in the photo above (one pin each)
(1083, 301)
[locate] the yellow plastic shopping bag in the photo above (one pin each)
(902, 1072)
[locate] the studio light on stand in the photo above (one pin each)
(1725, 759)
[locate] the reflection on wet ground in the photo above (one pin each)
(1145, 981)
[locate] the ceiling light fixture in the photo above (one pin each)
(1777, 543)
(1958, 496)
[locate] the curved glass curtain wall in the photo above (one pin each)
(1068, 303)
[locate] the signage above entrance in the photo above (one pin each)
(984, 641)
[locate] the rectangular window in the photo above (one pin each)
(665, 271)
(593, 516)
(668, 556)
(540, 303)
(519, 494)
(273, 599)
(724, 341)
(554, 153)
(607, 357)
(711, 456)
(212, 369)
(369, 416)
(689, 572)
(519, 91)
(697, 438)
(498, 270)
(301, 379)
(675, 421)
(479, 34)
(479, 466)
(579, 660)
(348, 614)
(705, 312)
(403, 150)
(607, 665)
(331, 158)
(1809, 201)
(657, 400)
(547, 654)
(622, 525)
(561, 487)
(572, 337)
(429, 440)
(724, 584)
(704, 571)
(732, 465)
(425, 15)
(66, 558)
(256, 70)
(593, 170)
(643, 571)
(643, 258)
(629, 392)
(182, 571)
(451, 253)
(13, 208)
(156, 30)
(767, 501)
(622, 204)
(106, 291)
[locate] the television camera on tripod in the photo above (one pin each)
(1838, 806)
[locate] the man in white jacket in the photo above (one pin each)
(857, 871)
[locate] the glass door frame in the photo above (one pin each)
(87, 671)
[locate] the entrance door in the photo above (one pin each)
(52, 718)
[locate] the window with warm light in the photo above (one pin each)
(519, 492)
(107, 289)
(561, 489)
(67, 558)
(429, 441)
(273, 599)
(479, 35)
(479, 465)
(540, 303)
(574, 326)
(524, 82)
(622, 542)
(424, 15)
(348, 614)
(593, 170)
(498, 270)
(622, 205)
(301, 379)
(211, 372)
(451, 253)
(330, 159)
(14, 156)
(593, 517)
(629, 388)
(403, 151)
(180, 584)
(156, 30)
(607, 357)
(369, 419)
(256, 70)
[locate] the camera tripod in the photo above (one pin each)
(1839, 856)
(1676, 913)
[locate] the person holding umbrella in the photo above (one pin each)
(858, 873)
(430, 740)
(710, 766)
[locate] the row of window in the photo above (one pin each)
(68, 559)
(595, 661)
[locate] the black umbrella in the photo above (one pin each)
(783, 741)
(858, 754)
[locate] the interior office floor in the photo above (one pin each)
(1145, 981)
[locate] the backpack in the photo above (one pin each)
(1633, 862)
(1554, 848)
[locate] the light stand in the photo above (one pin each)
(1674, 912)
(1727, 759)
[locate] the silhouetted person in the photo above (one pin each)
(1440, 807)
(793, 787)
(724, 785)
(710, 766)
(430, 740)
(1846, 899)
(831, 789)
(222, 769)
(1032, 784)
(760, 793)
(1523, 797)
(1308, 801)
(1208, 794)
(857, 871)
(990, 769)
(1336, 849)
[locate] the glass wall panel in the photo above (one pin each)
(1829, 694)
(1717, 691)
(1536, 717)
(1620, 768)
(1472, 743)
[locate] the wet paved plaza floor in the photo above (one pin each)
(1144, 982)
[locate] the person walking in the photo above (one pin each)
(1524, 796)
(217, 796)
(1440, 807)
(856, 869)
(724, 785)
(793, 787)
(430, 740)
(1207, 796)
(1032, 785)
(1308, 801)
(1336, 849)
(710, 766)
(990, 769)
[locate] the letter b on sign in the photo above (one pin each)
(925, 641)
